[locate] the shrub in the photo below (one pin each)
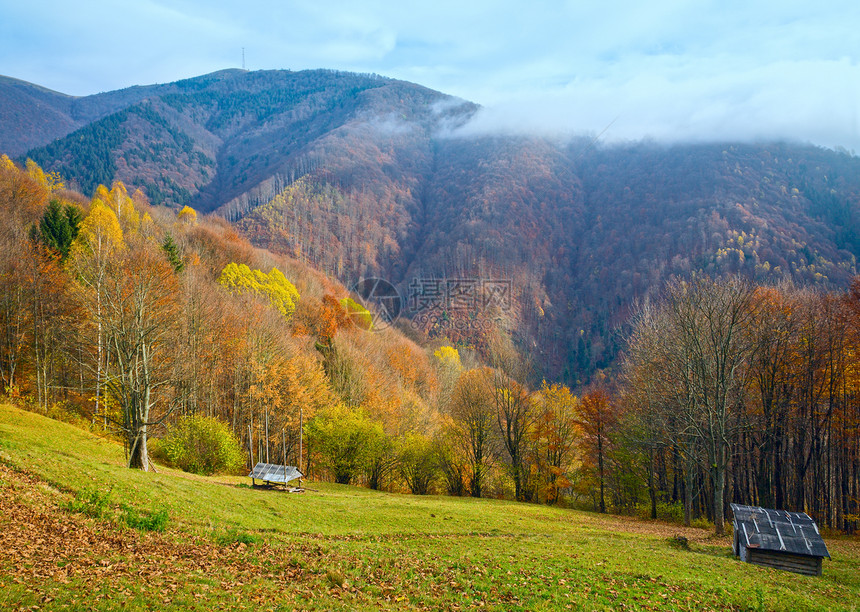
(417, 458)
(235, 536)
(680, 542)
(153, 521)
(201, 445)
(701, 523)
(90, 502)
(666, 511)
(344, 439)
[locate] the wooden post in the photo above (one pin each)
(301, 434)
(251, 452)
(267, 434)
(284, 443)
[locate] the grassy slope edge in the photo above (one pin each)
(229, 546)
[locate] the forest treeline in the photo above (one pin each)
(132, 319)
(582, 235)
(746, 394)
(359, 176)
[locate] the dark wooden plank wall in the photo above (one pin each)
(800, 564)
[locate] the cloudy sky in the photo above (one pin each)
(666, 70)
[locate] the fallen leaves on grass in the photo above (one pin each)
(40, 543)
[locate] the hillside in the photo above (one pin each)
(211, 140)
(218, 327)
(580, 236)
(339, 547)
(33, 116)
(366, 176)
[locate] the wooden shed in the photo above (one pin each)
(273, 474)
(775, 538)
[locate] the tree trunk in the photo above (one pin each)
(652, 493)
(600, 468)
(688, 496)
(477, 478)
(517, 474)
(138, 456)
(719, 475)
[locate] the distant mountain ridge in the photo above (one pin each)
(208, 140)
(32, 116)
(368, 176)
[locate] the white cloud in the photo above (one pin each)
(668, 69)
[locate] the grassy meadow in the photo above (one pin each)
(69, 507)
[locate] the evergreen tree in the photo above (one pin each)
(74, 217)
(172, 251)
(59, 227)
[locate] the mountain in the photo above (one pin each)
(32, 116)
(364, 176)
(222, 139)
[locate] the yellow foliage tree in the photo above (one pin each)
(98, 242)
(118, 200)
(448, 357)
(100, 231)
(552, 440)
(187, 215)
(449, 367)
(51, 181)
(274, 286)
(102, 193)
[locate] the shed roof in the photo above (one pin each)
(272, 472)
(778, 530)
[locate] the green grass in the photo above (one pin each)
(229, 546)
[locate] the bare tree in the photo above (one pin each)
(695, 348)
(140, 310)
(709, 320)
(515, 413)
(774, 330)
(472, 409)
(660, 384)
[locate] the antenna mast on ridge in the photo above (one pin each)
(243, 58)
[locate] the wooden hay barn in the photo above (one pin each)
(272, 474)
(775, 538)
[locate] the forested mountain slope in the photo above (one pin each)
(213, 139)
(33, 116)
(367, 176)
(125, 315)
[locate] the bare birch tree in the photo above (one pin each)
(139, 317)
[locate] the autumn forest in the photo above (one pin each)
(640, 329)
(139, 321)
